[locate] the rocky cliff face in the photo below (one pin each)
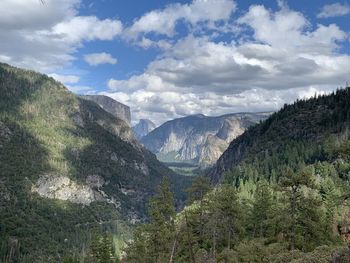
(143, 128)
(112, 106)
(198, 138)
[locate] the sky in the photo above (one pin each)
(169, 59)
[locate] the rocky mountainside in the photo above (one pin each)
(299, 134)
(67, 168)
(198, 138)
(112, 106)
(143, 127)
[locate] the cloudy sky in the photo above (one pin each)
(167, 59)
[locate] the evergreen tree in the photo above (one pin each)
(261, 212)
(102, 249)
(302, 216)
(226, 214)
(154, 241)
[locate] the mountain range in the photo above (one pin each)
(143, 127)
(198, 139)
(68, 168)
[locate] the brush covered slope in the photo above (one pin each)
(198, 139)
(67, 168)
(302, 133)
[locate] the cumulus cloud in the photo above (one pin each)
(334, 10)
(95, 59)
(163, 21)
(48, 34)
(87, 28)
(278, 59)
(81, 89)
(65, 79)
(29, 14)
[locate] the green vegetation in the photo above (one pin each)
(44, 130)
(285, 198)
(186, 169)
(285, 222)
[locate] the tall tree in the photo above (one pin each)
(156, 239)
(225, 222)
(260, 216)
(302, 217)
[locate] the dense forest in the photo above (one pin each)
(285, 199)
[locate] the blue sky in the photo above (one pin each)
(168, 59)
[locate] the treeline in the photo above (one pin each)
(285, 200)
(294, 136)
(297, 219)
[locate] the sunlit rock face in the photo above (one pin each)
(61, 187)
(198, 138)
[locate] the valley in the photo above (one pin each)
(198, 140)
(192, 131)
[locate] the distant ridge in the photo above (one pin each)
(143, 127)
(198, 138)
(294, 136)
(112, 106)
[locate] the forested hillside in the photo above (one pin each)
(69, 172)
(280, 194)
(302, 133)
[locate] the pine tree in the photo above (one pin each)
(226, 217)
(302, 217)
(261, 211)
(154, 241)
(102, 249)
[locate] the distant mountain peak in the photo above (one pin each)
(143, 127)
(198, 115)
(198, 138)
(112, 106)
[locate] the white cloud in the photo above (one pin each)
(95, 59)
(333, 10)
(47, 36)
(164, 21)
(81, 89)
(286, 59)
(87, 28)
(288, 30)
(65, 79)
(30, 14)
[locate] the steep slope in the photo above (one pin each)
(198, 138)
(112, 106)
(143, 127)
(296, 135)
(67, 168)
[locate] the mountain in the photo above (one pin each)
(68, 169)
(112, 106)
(298, 134)
(279, 193)
(143, 127)
(198, 138)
